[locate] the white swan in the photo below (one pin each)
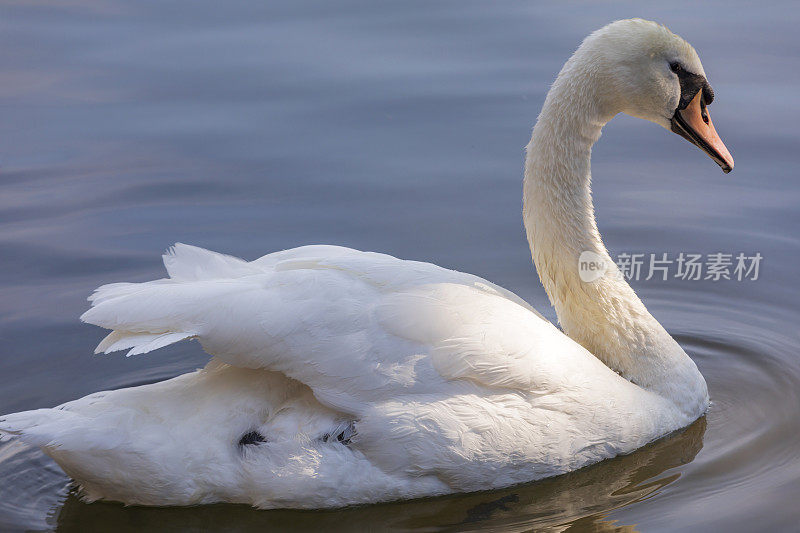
(342, 377)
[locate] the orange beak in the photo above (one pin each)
(693, 123)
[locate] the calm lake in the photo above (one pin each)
(249, 127)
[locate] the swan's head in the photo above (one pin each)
(649, 72)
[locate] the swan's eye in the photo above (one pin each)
(675, 67)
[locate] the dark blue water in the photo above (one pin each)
(249, 127)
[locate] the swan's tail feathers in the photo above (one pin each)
(139, 343)
(151, 315)
(142, 316)
(39, 427)
(62, 430)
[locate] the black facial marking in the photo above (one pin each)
(251, 437)
(690, 84)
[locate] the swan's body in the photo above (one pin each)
(343, 377)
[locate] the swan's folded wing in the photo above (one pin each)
(485, 338)
(356, 327)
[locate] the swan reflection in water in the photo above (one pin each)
(581, 499)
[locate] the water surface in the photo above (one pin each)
(249, 127)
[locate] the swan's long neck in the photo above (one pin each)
(605, 316)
